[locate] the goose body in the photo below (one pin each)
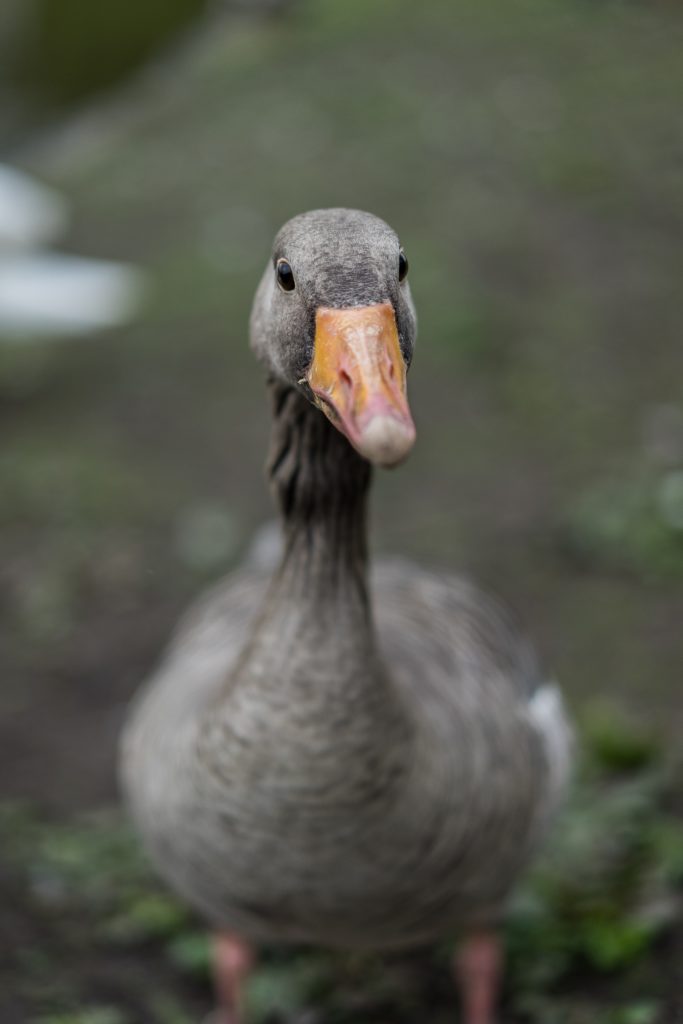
(329, 754)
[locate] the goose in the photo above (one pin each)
(329, 754)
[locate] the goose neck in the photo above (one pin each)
(321, 485)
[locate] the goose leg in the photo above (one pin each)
(233, 959)
(478, 971)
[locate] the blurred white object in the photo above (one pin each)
(51, 294)
(44, 294)
(30, 214)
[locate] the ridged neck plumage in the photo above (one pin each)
(321, 486)
(315, 636)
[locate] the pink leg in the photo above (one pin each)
(233, 959)
(478, 971)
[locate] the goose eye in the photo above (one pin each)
(402, 266)
(285, 276)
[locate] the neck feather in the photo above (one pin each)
(321, 485)
(316, 624)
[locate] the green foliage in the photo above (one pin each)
(636, 1013)
(633, 522)
(146, 916)
(543, 1010)
(289, 986)
(92, 1015)
(74, 48)
(617, 741)
(91, 868)
(607, 887)
(189, 951)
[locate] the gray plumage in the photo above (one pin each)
(327, 755)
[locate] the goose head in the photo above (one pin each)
(333, 318)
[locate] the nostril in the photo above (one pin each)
(392, 371)
(346, 380)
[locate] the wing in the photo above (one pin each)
(443, 626)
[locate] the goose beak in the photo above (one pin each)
(358, 379)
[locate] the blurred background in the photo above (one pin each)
(530, 155)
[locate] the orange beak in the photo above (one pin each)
(358, 378)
